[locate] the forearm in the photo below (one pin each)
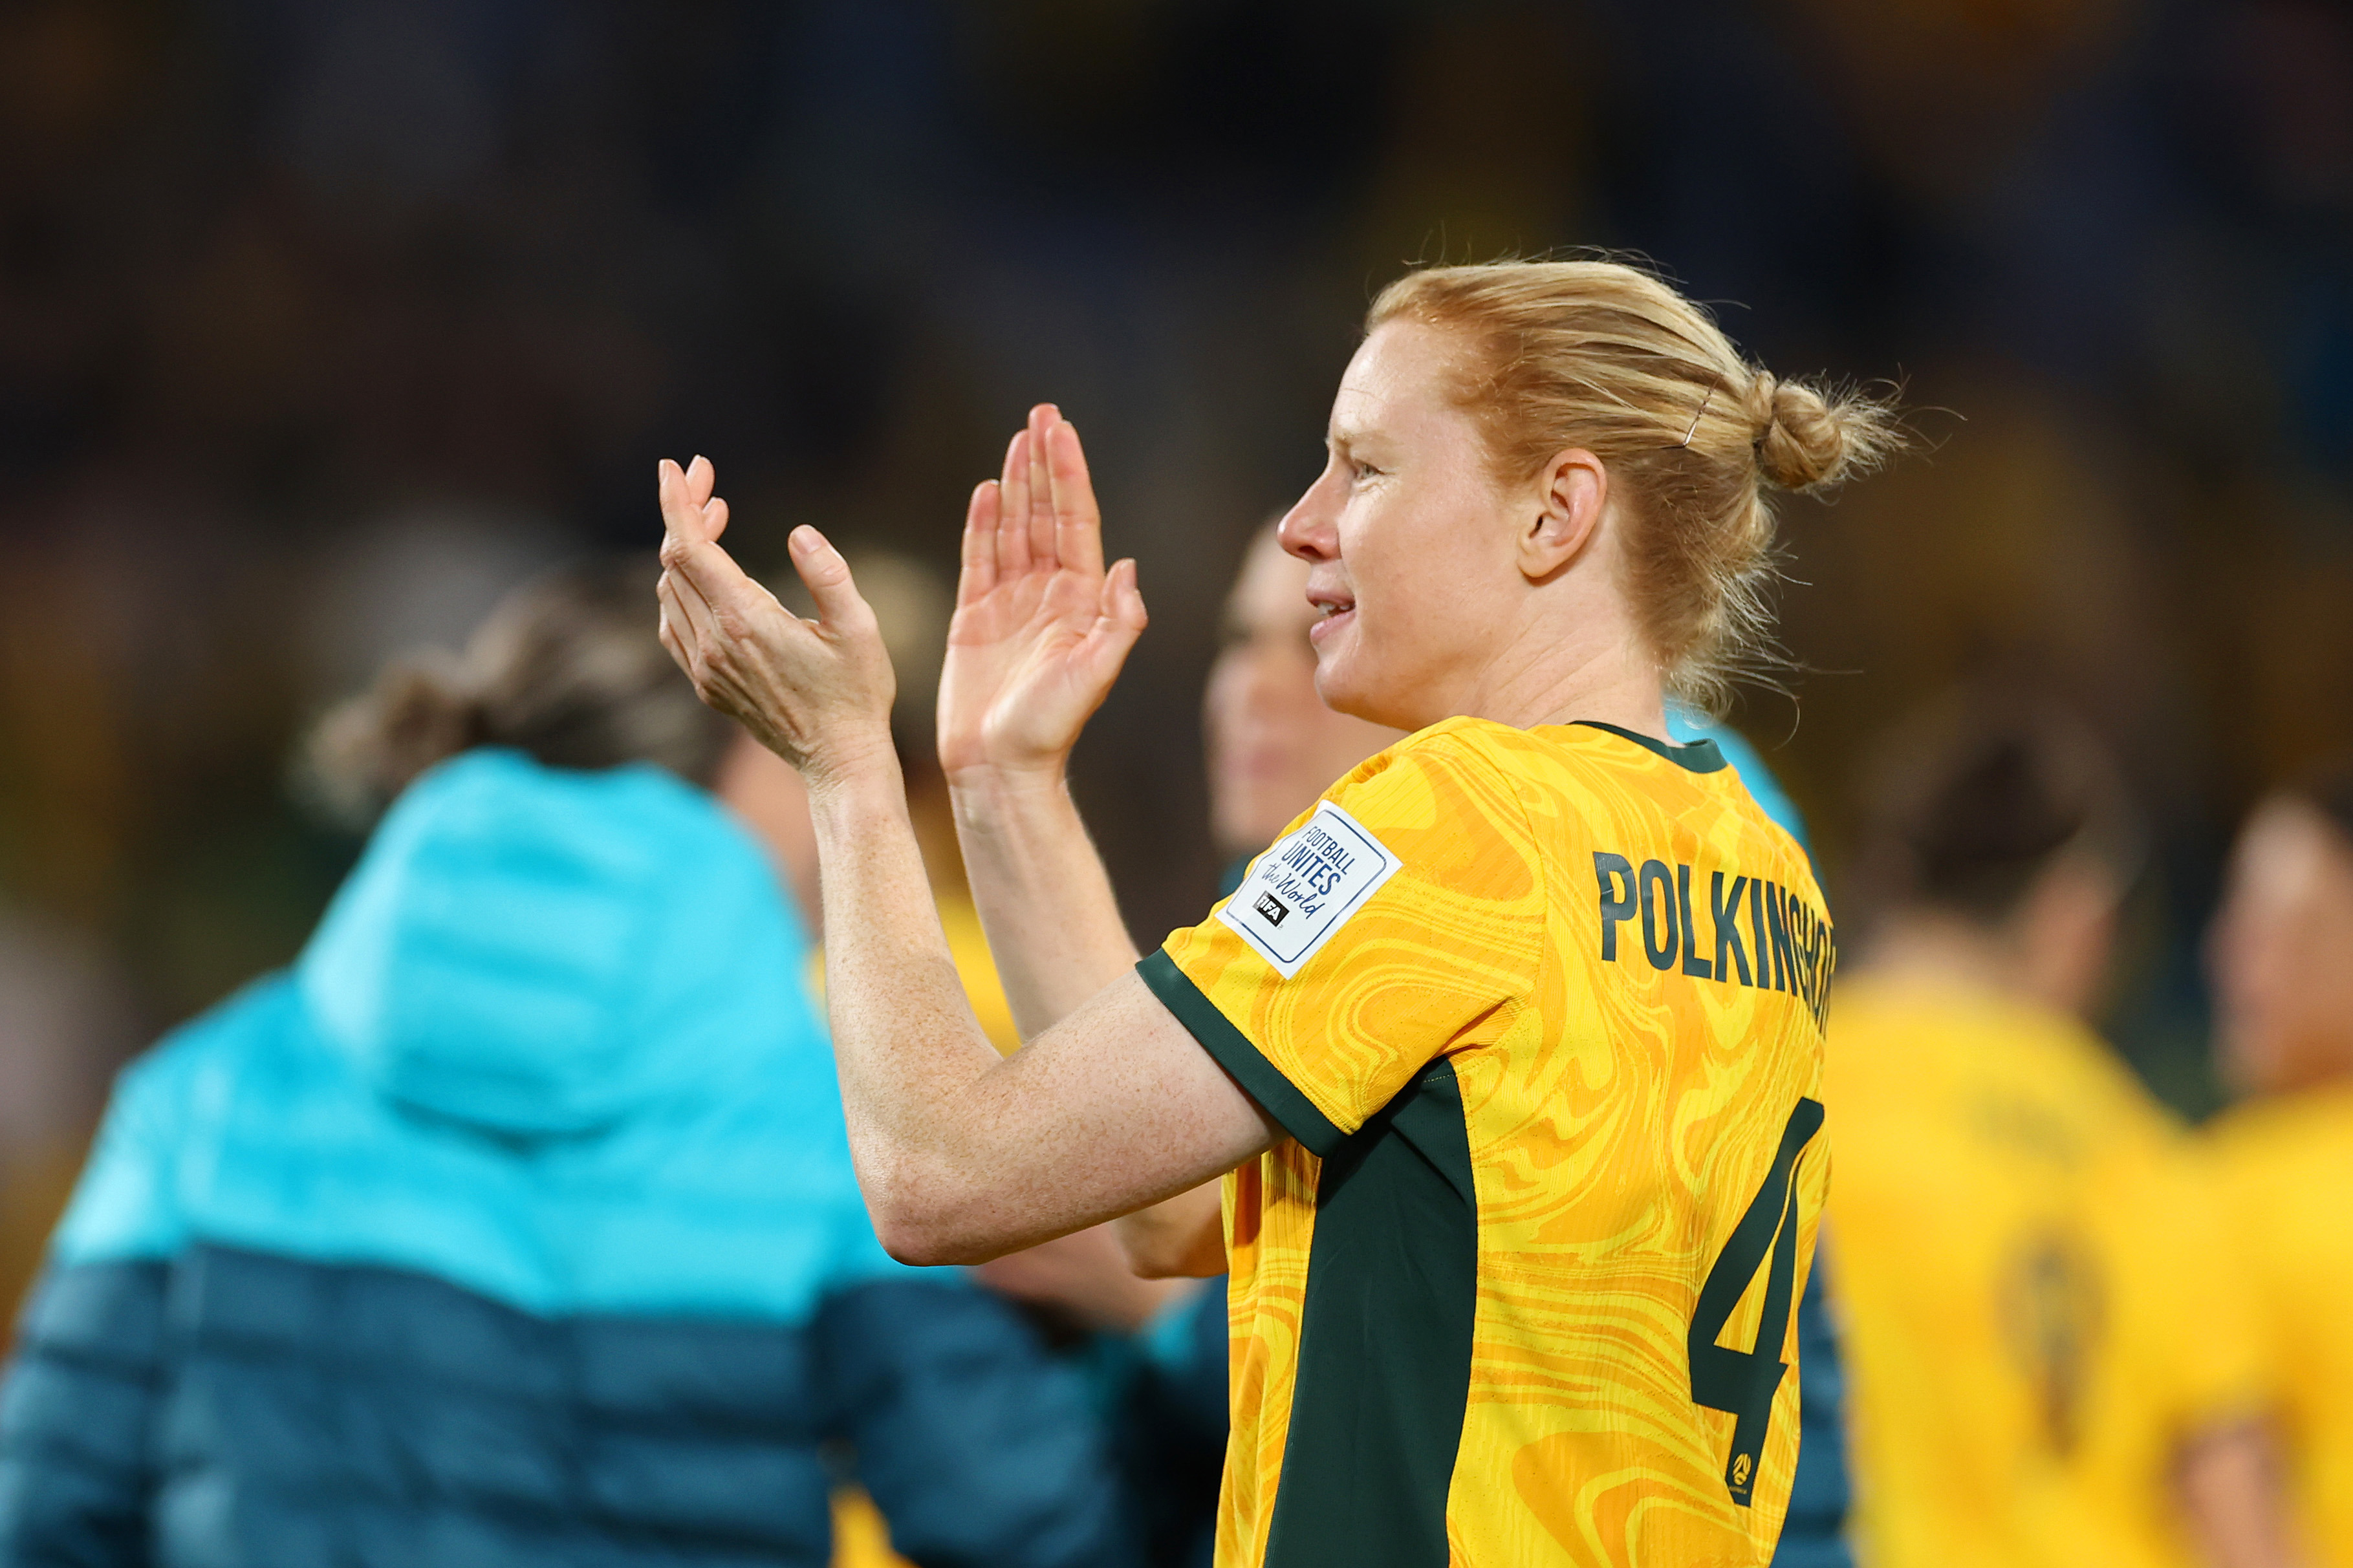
(909, 1052)
(962, 1155)
(1044, 897)
(1180, 1238)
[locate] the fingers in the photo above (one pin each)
(1013, 509)
(686, 634)
(1122, 600)
(706, 568)
(692, 519)
(1119, 621)
(679, 515)
(1042, 420)
(1077, 524)
(713, 609)
(978, 569)
(1045, 512)
(688, 509)
(821, 567)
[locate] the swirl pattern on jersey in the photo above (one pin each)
(1624, 961)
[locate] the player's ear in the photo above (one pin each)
(1570, 492)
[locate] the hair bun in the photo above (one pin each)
(420, 710)
(1805, 439)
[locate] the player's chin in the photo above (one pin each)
(1339, 678)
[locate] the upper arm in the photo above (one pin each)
(1115, 1107)
(127, 1201)
(1403, 920)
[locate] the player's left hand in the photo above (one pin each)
(817, 693)
(1041, 627)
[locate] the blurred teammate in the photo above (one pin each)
(2048, 1362)
(1272, 745)
(2283, 962)
(1518, 1034)
(1272, 748)
(515, 1225)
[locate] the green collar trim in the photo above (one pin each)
(1699, 757)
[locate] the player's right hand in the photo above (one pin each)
(817, 693)
(1040, 630)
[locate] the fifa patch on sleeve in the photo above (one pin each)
(1304, 888)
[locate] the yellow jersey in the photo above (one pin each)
(1540, 1012)
(2286, 1168)
(2028, 1265)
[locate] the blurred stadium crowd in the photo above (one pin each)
(321, 328)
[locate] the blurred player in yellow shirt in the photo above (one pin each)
(2283, 961)
(2050, 1363)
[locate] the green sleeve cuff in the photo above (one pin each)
(1232, 1050)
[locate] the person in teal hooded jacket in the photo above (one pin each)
(515, 1223)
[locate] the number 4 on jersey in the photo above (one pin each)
(1742, 1382)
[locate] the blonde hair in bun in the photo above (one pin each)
(1604, 356)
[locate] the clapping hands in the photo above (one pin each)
(1039, 633)
(1040, 630)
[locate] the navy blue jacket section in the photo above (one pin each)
(234, 1409)
(1173, 1436)
(1188, 1349)
(517, 1225)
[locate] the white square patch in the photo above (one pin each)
(1305, 888)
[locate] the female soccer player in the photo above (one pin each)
(1513, 1039)
(2052, 1363)
(2283, 966)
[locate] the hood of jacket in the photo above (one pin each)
(540, 952)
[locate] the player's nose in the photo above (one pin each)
(1310, 530)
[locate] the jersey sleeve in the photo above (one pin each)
(2221, 1369)
(1399, 920)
